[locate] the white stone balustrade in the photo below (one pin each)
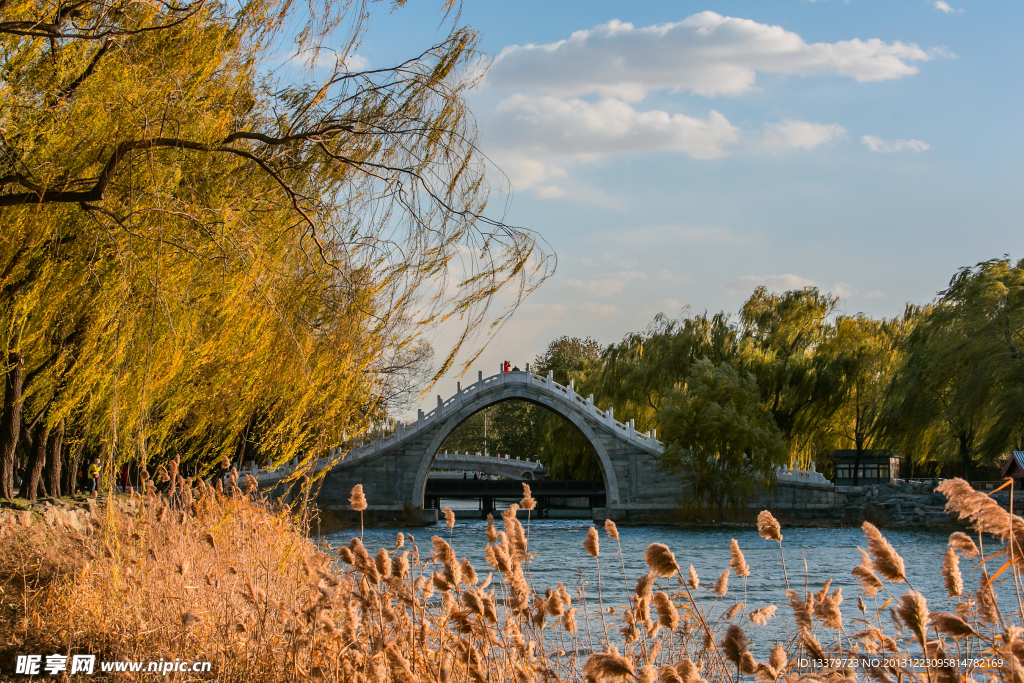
(795, 477)
(624, 430)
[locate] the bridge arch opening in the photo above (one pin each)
(529, 433)
(517, 416)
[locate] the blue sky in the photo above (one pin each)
(868, 148)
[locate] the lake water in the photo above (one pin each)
(829, 554)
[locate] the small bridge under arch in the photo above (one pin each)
(394, 470)
(508, 467)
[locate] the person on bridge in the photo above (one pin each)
(507, 367)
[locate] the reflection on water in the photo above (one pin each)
(812, 557)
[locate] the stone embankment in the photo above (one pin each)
(896, 505)
(902, 504)
(74, 514)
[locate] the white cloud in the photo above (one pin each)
(357, 62)
(876, 144)
(548, 192)
(671, 276)
(875, 294)
(748, 283)
(600, 310)
(844, 291)
(945, 7)
(605, 284)
(800, 134)
(706, 53)
(587, 130)
(326, 59)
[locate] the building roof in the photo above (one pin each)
(1015, 465)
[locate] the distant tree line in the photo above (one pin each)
(792, 378)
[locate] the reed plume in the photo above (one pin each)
(951, 625)
(734, 644)
(643, 590)
(736, 560)
(694, 580)
(984, 513)
(963, 544)
(761, 615)
(492, 533)
(768, 527)
(611, 529)
(870, 584)
(802, 613)
(668, 616)
(400, 671)
(913, 611)
(660, 560)
(885, 560)
(951, 577)
(357, 499)
(591, 544)
(809, 641)
(830, 614)
(610, 665)
(722, 585)
(449, 517)
(987, 608)
(383, 562)
(527, 503)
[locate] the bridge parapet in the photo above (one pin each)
(565, 394)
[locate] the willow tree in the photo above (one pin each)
(957, 396)
(196, 249)
(636, 375)
(720, 437)
(863, 355)
(781, 336)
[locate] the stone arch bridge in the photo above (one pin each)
(393, 470)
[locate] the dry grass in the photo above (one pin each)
(225, 577)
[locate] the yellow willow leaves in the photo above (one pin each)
(194, 253)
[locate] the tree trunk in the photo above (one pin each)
(965, 456)
(53, 459)
(856, 462)
(34, 470)
(10, 423)
(74, 462)
(721, 511)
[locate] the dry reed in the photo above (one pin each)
(199, 574)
